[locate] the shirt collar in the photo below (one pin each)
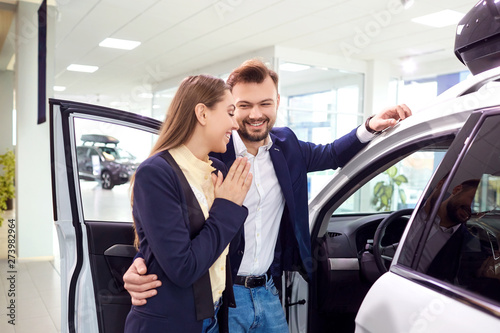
(239, 147)
(450, 230)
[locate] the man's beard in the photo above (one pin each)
(452, 210)
(254, 137)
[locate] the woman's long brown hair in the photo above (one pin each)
(181, 119)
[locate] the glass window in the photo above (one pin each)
(460, 221)
(320, 105)
(397, 187)
(107, 156)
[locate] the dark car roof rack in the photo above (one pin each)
(99, 138)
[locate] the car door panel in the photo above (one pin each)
(94, 227)
(108, 269)
(424, 310)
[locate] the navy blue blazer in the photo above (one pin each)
(161, 216)
(446, 263)
(292, 160)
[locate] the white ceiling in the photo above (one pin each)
(181, 36)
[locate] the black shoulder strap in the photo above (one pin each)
(196, 217)
(202, 288)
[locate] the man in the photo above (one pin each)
(440, 256)
(276, 233)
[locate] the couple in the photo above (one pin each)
(190, 221)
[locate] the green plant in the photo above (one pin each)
(383, 190)
(7, 189)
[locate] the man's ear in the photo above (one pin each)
(278, 102)
(201, 113)
(457, 189)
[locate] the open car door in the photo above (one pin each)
(94, 225)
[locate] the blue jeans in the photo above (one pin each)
(257, 310)
(211, 325)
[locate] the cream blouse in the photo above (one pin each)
(198, 174)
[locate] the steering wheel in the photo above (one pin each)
(381, 253)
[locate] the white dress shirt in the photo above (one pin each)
(265, 203)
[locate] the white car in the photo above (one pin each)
(354, 242)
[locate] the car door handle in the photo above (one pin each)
(121, 250)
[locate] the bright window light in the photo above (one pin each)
(82, 68)
(440, 19)
(12, 61)
(289, 67)
(119, 44)
(59, 88)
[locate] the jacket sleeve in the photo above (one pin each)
(161, 219)
(332, 155)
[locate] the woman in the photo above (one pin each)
(184, 215)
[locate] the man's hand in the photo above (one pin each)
(140, 286)
(389, 117)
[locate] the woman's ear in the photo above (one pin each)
(201, 113)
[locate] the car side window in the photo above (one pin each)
(107, 157)
(455, 234)
(397, 187)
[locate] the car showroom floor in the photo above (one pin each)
(36, 285)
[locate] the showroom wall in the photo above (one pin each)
(7, 98)
(33, 181)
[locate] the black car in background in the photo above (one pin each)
(100, 159)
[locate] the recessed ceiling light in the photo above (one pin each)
(440, 19)
(82, 68)
(407, 3)
(289, 67)
(59, 88)
(119, 44)
(409, 65)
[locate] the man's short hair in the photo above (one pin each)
(252, 71)
(470, 184)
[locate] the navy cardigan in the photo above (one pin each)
(161, 215)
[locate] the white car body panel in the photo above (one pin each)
(85, 307)
(424, 310)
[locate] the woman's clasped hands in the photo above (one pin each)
(236, 184)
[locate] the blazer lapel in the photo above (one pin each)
(283, 175)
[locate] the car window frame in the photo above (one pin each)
(450, 164)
